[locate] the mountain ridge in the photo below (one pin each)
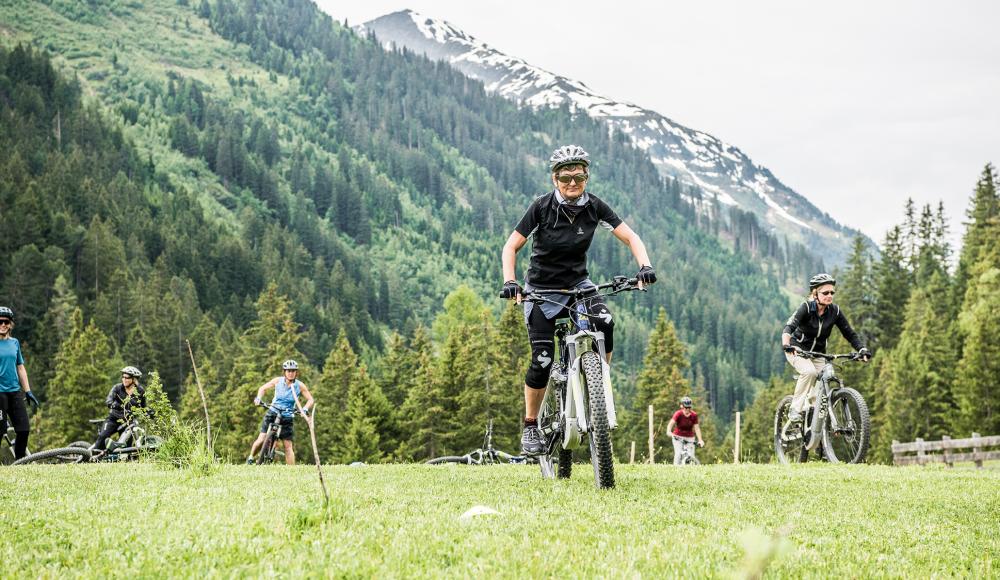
(722, 171)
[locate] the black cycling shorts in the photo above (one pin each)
(287, 430)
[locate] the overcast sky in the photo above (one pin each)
(855, 105)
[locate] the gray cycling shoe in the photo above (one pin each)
(532, 441)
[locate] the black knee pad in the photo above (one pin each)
(542, 356)
(603, 321)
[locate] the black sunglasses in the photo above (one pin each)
(579, 178)
(828, 293)
(5, 321)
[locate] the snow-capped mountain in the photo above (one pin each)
(695, 158)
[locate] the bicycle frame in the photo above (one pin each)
(687, 450)
(565, 419)
(823, 393)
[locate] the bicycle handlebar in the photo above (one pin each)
(270, 407)
(618, 284)
(830, 357)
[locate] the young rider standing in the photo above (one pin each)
(287, 388)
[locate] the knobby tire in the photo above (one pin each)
(787, 452)
(597, 428)
(61, 455)
(848, 447)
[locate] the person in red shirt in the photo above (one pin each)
(684, 428)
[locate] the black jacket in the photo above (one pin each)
(809, 330)
(559, 248)
(121, 403)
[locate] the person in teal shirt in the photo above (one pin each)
(15, 390)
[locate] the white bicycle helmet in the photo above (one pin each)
(132, 372)
(568, 155)
(289, 365)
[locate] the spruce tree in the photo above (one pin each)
(511, 351)
(424, 416)
(918, 399)
(979, 368)
(79, 388)
(271, 339)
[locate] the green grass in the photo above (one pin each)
(403, 521)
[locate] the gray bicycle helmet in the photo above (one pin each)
(4, 311)
(568, 155)
(821, 280)
(132, 372)
(289, 365)
(686, 402)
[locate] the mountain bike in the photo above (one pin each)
(267, 449)
(687, 451)
(579, 400)
(132, 441)
(486, 455)
(838, 420)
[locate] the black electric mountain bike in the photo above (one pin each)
(579, 400)
(269, 448)
(838, 420)
(131, 442)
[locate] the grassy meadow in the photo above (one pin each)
(143, 520)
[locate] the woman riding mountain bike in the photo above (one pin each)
(808, 329)
(684, 427)
(561, 224)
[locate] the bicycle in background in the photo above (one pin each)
(838, 420)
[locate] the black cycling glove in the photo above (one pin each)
(646, 275)
(864, 353)
(32, 399)
(511, 289)
(789, 348)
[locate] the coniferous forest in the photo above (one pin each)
(257, 181)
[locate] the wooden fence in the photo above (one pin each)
(944, 451)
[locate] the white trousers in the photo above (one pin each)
(808, 370)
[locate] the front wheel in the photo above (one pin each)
(848, 429)
(463, 459)
(788, 440)
(597, 425)
(56, 456)
(267, 450)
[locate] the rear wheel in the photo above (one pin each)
(788, 443)
(597, 426)
(848, 441)
(56, 456)
(556, 460)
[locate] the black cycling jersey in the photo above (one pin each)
(809, 330)
(561, 239)
(121, 403)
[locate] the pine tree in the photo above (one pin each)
(270, 340)
(77, 392)
(757, 423)
(661, 383)
(424, 417)
(53, 331)
(511, 351)
(893, 283)
(985, 206)
(979, 368)
(918, 399)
